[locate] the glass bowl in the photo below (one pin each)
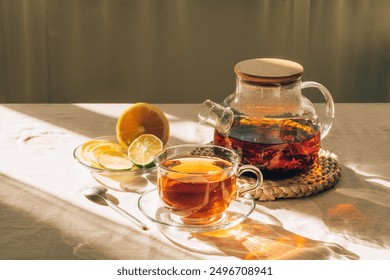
(119, 180)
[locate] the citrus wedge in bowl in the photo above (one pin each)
(91, 150)
(104, 155)
(141, 118)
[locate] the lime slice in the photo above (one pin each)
(115, 161)
(143, 149)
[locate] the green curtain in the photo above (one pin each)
(184, 51)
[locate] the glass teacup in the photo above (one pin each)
(197, 183)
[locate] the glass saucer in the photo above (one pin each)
(151, 206)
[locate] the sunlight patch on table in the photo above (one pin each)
(379, 182)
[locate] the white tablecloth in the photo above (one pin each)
(43, 214)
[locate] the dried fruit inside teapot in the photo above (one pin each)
(280, 147)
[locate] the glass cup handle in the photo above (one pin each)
(326, 124)
(259, 179)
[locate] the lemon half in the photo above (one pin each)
(141, 118)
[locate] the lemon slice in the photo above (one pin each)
(115, 161)
(90, 145)
(105, 148)
(143, 149)
(141, 118)
(93, 149)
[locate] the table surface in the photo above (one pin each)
(44, 214)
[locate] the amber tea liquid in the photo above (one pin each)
(279, 147)
(198, 189)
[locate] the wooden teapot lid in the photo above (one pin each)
(269, 70)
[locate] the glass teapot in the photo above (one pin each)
(267, 120)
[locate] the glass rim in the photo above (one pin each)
(234, 162)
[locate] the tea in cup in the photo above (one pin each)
(197, 183)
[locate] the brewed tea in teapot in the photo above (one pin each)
(267, 120)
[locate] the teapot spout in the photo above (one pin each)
(217, 116)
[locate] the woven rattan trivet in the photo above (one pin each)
(323, 175)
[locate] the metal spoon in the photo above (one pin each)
(98, 191)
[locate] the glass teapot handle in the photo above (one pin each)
(326, 124)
